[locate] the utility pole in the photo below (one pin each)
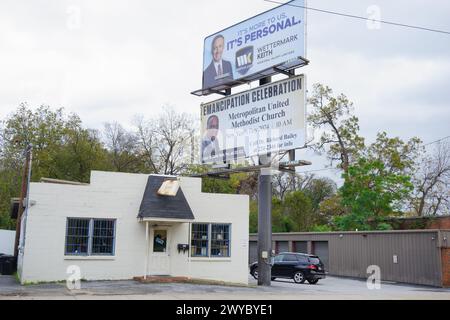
(265, 217)
(23, 194)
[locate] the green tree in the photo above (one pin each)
(298, 208)
(318, 190)
(371, 191)
(281, 222)
(253, 224)
(330, 208)
(340, 137)
(396, 155)
(62, 149)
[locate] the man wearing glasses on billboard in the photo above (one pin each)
(210, 143)
(219, 70)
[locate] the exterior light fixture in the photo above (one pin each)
(169, 188)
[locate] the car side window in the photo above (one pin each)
(290, 258)
(278, 258)
(302, 259)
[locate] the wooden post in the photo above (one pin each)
(23, 195)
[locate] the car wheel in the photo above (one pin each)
(313, 281)
(299, 277)
(255, 273)
(273, 278)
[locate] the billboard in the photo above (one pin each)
(273, 38)
(269, 118)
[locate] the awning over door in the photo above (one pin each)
(155, 207)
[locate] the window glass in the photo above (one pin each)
(289, 258)
(314, 260)
(160, 240)
(278, 258)
(211, 240)
(220, 240)
(103, 237)
(77, 236)
(302, 259)
(90, 236)
(199, 240)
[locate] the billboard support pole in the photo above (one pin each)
(265, 217)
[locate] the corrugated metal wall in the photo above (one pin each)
(418, 253)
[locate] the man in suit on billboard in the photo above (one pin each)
(210, 143)
(219, 70)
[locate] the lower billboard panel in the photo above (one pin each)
(267, 119)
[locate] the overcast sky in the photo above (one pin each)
(108, 60)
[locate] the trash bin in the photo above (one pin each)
(8, 265)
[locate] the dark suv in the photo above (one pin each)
(298, 266)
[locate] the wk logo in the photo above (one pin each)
(244, 59)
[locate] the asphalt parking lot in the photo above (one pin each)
(330, 288)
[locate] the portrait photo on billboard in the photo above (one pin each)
(271, 39)
(266, 119)
(210, 147)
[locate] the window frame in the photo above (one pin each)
(210, 240)
(89, 252)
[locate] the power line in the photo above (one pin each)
(326, 169)
(436, 141)
(364, 18)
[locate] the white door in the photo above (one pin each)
(159, 251)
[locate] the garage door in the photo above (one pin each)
(301, 246)
(320, 248)
(282, 246)
(253, 252)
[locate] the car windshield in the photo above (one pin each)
(314, 260)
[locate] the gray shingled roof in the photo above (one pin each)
(156, 206)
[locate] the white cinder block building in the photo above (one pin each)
(119, 227)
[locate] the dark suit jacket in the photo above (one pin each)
(209, 75)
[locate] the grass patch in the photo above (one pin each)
(217, 283)
(33, 283)
(16, 277)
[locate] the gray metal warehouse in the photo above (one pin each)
(408, 256)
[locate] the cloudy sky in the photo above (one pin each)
(108, 60)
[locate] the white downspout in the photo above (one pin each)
(189, 251)
(146, 250)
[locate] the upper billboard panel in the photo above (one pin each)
(248, 49)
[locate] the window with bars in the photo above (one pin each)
(87, 237)
(199, 240)
(210, 240)
(220, 240)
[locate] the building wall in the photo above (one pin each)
(439, 223)
(445, 257)
(118, 196)
(216, 208)
(350, 253)
(7, 239)
(425, 222)
(446, 267)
